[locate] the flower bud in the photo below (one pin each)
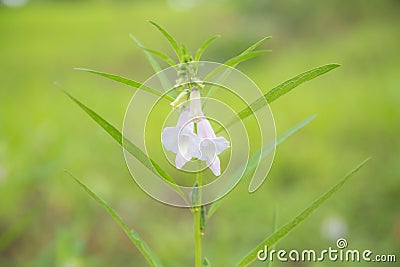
(196, 111)
(182, 97)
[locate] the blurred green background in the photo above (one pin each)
(47, 220)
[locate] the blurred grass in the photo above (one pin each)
(42, 132)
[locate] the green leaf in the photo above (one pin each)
(287, 228)
(244, 56)
(259, 156)
(287, 86)
(170, 39)
(186, 57)
(256, 158)
(274, 227)
(133, 236)
(203, 219)
(129, 146)
(156, 67)
(150, 58)
(128, 82)
(233, 62)
(281, 90)
(257, 44)
(163, 56)
(185, 51)
(203, 47)
(297, 127)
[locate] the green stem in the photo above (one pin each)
(197, 223)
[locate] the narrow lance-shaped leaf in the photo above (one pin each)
(262, 154)
(185, 53)
(128, 82)
(287, 228)
(132, 235)
(203, 47)
(150, 58)
(256, 158)
(287, 86)
(156, 67)
(170, 39)
(228, 66)
(165, 57)
(274, 228)
(245, 55)
(233, 62)
(257, 44)
(129, 146)
(281, 90)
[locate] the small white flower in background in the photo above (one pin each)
(333, 228)
(187, 144)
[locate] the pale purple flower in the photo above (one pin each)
(210, 146)
(182, 140)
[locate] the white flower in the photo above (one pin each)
(210, 146)
(182, 140)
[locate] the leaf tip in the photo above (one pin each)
(335, 65)
(152, 22)
(58, 85)
(83, 69)
(365, 161)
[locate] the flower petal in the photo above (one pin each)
(221, 144)
(187, 148)
(204, 145)
(169, 138)
(170, 135)
(204, 129)
(180, 160)
(207, 150)
(184, 119)
(194, 146)
(215, 167)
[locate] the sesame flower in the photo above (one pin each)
(181, 139)
(187, 144)
(210, 146)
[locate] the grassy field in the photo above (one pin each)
(47, 220)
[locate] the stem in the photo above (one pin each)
(197, 223)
